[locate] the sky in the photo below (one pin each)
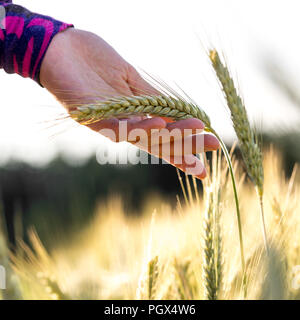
(168, 39)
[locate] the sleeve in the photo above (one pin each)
(24, 39)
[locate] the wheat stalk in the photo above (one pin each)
(183, 279)
(152, 277)
(250, 150)
(209, 255)
(213, 264)
(218, 246)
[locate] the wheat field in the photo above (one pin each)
(233, 236)
(187, 252)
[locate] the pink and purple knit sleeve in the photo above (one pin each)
(24, 39)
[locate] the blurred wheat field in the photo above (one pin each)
(191, 252)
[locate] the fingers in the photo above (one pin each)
(193, 144)
(176, 131)
(192, 124)
(180, 153)
(143, 129)
(168, 120)
(176, 150)
(131, 129)
(211, 143)
(160, 143)
(153, 133)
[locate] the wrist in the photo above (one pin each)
(54, 56)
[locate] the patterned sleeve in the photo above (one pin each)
(24, 39)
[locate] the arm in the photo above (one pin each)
(79, 67)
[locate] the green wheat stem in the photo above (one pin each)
(238, 213)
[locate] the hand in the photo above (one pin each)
(80, 67)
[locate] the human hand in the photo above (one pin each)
(80, 67)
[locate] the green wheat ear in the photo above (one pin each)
(164, 106)
(251, 152)
(249, 147)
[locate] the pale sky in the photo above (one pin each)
(167, 39)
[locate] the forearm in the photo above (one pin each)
(24, 39)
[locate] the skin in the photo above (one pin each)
(80, 67)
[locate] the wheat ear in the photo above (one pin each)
(209, 256)
(250, 150)
(152, 277)
(165, 106)
(213, 264)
